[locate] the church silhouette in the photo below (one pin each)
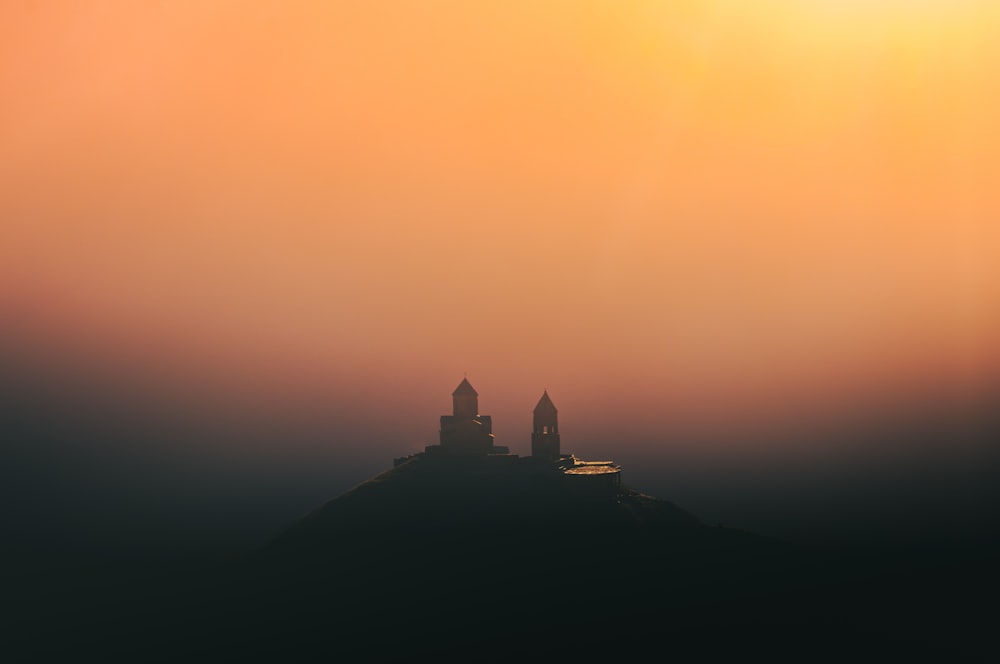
(466, 440)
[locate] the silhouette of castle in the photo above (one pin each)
(465, 435)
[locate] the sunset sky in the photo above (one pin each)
(685, 215)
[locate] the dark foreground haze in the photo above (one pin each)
(144, 522)
(100, 462)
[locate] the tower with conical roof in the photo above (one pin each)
(545, 429)
(465, 400)
(465, 430)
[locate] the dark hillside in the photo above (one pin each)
(464, 560)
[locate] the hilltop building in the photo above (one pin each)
(465, 431)
(466, 436)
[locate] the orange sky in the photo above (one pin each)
(709, 203)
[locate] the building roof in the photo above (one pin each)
(545, 404)
(592, 470)
(465, 389)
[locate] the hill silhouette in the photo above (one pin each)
(448, 554)
(436, 494)
(458, 559)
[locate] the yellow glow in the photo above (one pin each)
(893, 10)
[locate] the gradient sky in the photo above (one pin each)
(668, 214)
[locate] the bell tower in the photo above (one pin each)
(545, 430)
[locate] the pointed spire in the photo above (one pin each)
(465, 389)
(545, 404)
